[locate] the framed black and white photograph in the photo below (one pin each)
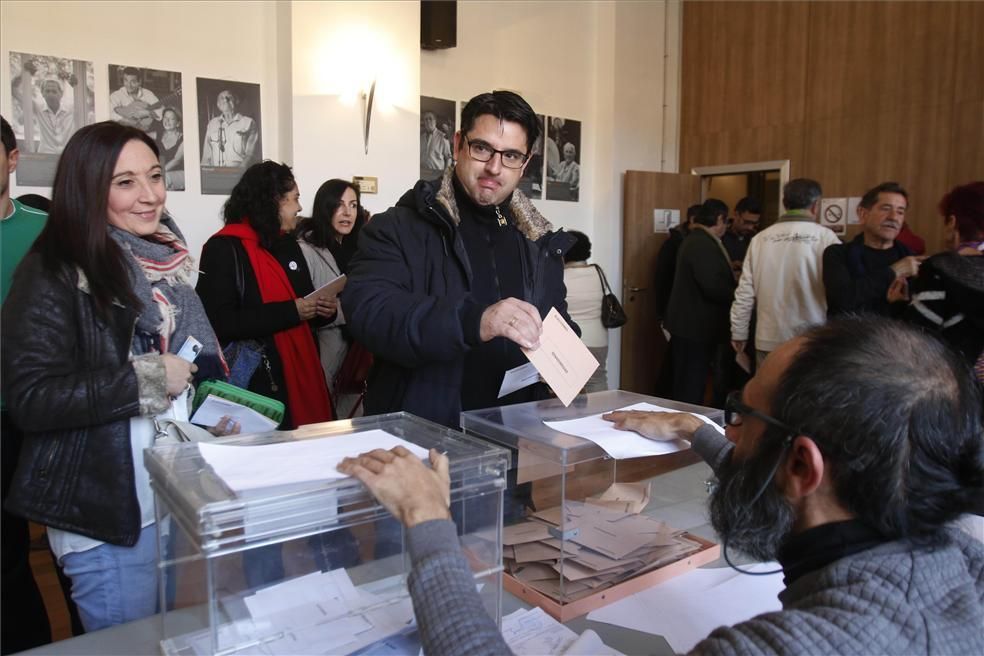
(229, 131)
(563, 155)
(531, 183)
(437, 125)
(150, 99)
(51, 97)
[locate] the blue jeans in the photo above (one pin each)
(112, 584)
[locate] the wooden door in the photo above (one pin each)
(643, 345)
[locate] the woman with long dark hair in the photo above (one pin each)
(97, 310)
(253, 282)
(331, 229)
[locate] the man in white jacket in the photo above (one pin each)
(782, 276)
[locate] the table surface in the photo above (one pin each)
(680, 500)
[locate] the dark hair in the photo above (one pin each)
(800, 193)
(37, 201)
(318, 230)
(748, 204)
(692, 212)
(966, 203)
(896, 414)
(257, 197)
(581, 250)
(871, 196)
(75, 233)
(130, 70)
(7, 135)
(505, 106)
(709, 212)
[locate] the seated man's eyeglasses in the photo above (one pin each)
(483, 152)
(735, 410)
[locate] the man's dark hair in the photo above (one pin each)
(800, 193)
(709, 212)
(257, 197)
(75, 234)
(692, 212)
(897, 416)
(581, 250)
(130, 70)
(505, 106)
(871, 196)
(748, 204)
(7, 135)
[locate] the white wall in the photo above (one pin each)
(200, 39)
(598, 62)
(337, 48)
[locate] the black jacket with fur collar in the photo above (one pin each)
(407, 298)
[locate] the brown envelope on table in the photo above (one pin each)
(623, 497)
(524, 532)
(534, 551)
(534, 572)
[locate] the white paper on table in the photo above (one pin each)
(563, 360)
(685, 609)
(213, 408)
(533, 632)
(517, 378)
(330, 289)
(623, 444)
(251, 467)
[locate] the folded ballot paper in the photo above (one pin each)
(533, 632)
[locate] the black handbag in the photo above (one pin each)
(612, 313)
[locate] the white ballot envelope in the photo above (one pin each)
(517, 378)
(562, 359)
(330, 289)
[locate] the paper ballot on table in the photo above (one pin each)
(562, 359)
(623, 444)
(685, 609)
(214, 408)
(330, 289)
(251, 467)
(533, 632)
(517, 378)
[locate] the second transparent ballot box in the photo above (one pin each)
(583, 528)
(266, 549)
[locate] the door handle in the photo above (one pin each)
(638, 289)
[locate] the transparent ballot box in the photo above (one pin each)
(582, 528)
(266, 549)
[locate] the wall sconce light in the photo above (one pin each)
(367, 98)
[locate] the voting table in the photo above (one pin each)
(267, 549)
(589, 535)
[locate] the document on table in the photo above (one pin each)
(533, 632)
(562, 359)
(330, 289)
(685, 609)
(517, 378)
(623, 444)
(214, 408)
(251, 467)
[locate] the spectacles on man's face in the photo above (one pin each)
(735, 410)
(483, 152)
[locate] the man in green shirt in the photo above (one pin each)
(25, 622)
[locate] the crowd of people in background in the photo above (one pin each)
(796, 273)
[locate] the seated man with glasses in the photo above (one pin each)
(448, 285)
(848, 456)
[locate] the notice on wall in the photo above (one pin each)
(852, 210)
(663, 220)
(833, 214)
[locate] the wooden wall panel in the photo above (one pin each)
(852, 93)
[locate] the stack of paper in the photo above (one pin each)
(609, 547)
(533, 632)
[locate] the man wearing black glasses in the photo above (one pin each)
(449, 284)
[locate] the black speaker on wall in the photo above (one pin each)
(438, 24)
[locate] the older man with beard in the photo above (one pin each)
(847, 456)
